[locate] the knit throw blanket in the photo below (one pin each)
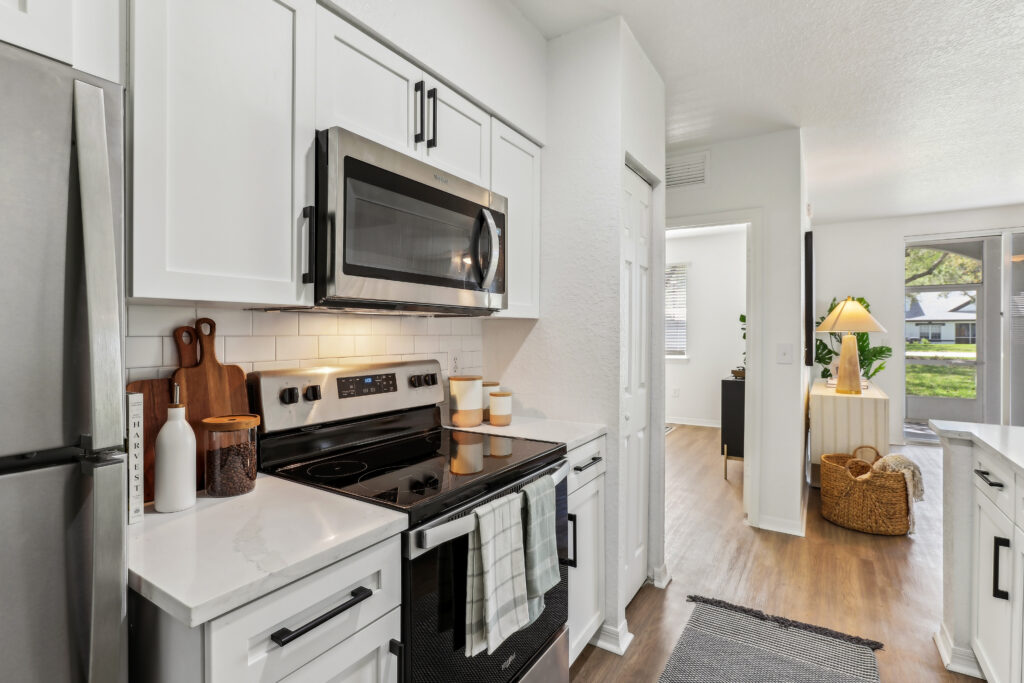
(911, 472)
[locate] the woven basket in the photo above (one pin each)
(876, 504)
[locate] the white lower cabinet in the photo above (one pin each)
(1018, 594)
(366, 657)
(586, 544)
(994, 599)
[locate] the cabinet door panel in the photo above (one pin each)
(463, 134)
(1016, 592)
(223, 106)
(992, 620)
(515, 174)
(364, 87)
(363, 658)
(586, 579)
(43, 26)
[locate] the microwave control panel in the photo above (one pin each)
(366, 385)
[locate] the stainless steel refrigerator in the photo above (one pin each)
(62, 470)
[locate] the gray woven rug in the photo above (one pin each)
(725, 643)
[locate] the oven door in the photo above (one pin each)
(407, 236)
(434, 611)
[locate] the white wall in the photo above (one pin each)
(762, 176)
(485, 48)
(716, 284)
(865, 258)
(566, 364)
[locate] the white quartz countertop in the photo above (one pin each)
(200, 563)
(1007, 441)
(572, 434)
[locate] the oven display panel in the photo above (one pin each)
(367, 385)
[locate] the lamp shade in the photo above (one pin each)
(850, 316)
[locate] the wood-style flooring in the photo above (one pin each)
(884, 588)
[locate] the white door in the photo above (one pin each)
(586, 579)
(635, 373)
(366, 88)
(223, 124)
(458, 135)
(993, 595)
(43, 26)
(515, 174)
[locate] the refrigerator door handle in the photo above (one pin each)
(107, 591)
(102, 299)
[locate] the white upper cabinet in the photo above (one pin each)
(458, 135)
(515, 174)
(43, 26)
(222, 114)
(364, 87)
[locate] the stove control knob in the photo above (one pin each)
(290, 395)
(430, 380)
(416, 381)
(312, 393)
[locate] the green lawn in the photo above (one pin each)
(971, 348)
(940, 380)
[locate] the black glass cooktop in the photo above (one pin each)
(425, 474)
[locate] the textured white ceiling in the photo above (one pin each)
(907, 106)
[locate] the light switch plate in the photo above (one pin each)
(784, 354)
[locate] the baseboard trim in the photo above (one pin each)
(793, 527)
(960, 660)
(660, 577)
(613, 639)
(694, 421)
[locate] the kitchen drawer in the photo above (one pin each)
(997, 471)
(586, 463)
(239, 647)
(366, 657)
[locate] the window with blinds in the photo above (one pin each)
(675, 310)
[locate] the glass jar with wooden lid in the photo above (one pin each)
(229, 442)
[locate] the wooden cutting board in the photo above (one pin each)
(209, 389)
(156, 396)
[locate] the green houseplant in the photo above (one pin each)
(872, 358)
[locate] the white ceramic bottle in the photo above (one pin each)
(175, 467)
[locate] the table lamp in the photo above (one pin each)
(849, 317)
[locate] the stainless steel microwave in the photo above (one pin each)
(390, 232)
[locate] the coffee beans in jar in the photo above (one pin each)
(230, 452)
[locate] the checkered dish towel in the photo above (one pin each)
(541, 544)
(495, 575)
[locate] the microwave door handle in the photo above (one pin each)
(102, 299)
(492, 263)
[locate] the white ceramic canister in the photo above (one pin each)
(486, 398)
(466, 400)
(174, 471)
(467, 453)
(501, 408)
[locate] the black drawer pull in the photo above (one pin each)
(984, 477)
(421, 135)
(309, 213)
(997, 543)
(397, 648)
(283, 636)
(593, 461)
(575, 548)
(432, 96)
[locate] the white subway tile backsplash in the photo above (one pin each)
(414, 325)
(476, 326)
(439, 326)
(275, 365)
(296, 348)
(164, 372)
(370, 346)
(246, 367)
(218, 349)
(385, 325)
(472, 343)
(248, 349)
(449, 343)
(275, 323)
(230, 321)
(336, 346)
(461, 326)
(318, 323)
(397, 345)
(426, 344)
(147, 320)
(169, 352)
(143, 352)
(354, 324)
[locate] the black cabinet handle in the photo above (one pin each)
(422, 133)
(284, 636)
(984, 477)
(309, 214)
(397, 648)
(571, 562)
(432, 96)
(593, 461)
(997, 543)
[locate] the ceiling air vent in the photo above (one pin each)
(687, 170)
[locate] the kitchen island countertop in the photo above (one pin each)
(203, 562)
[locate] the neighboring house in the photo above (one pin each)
(941, 318)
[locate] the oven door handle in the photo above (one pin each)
(432, 537)
(492, 263)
